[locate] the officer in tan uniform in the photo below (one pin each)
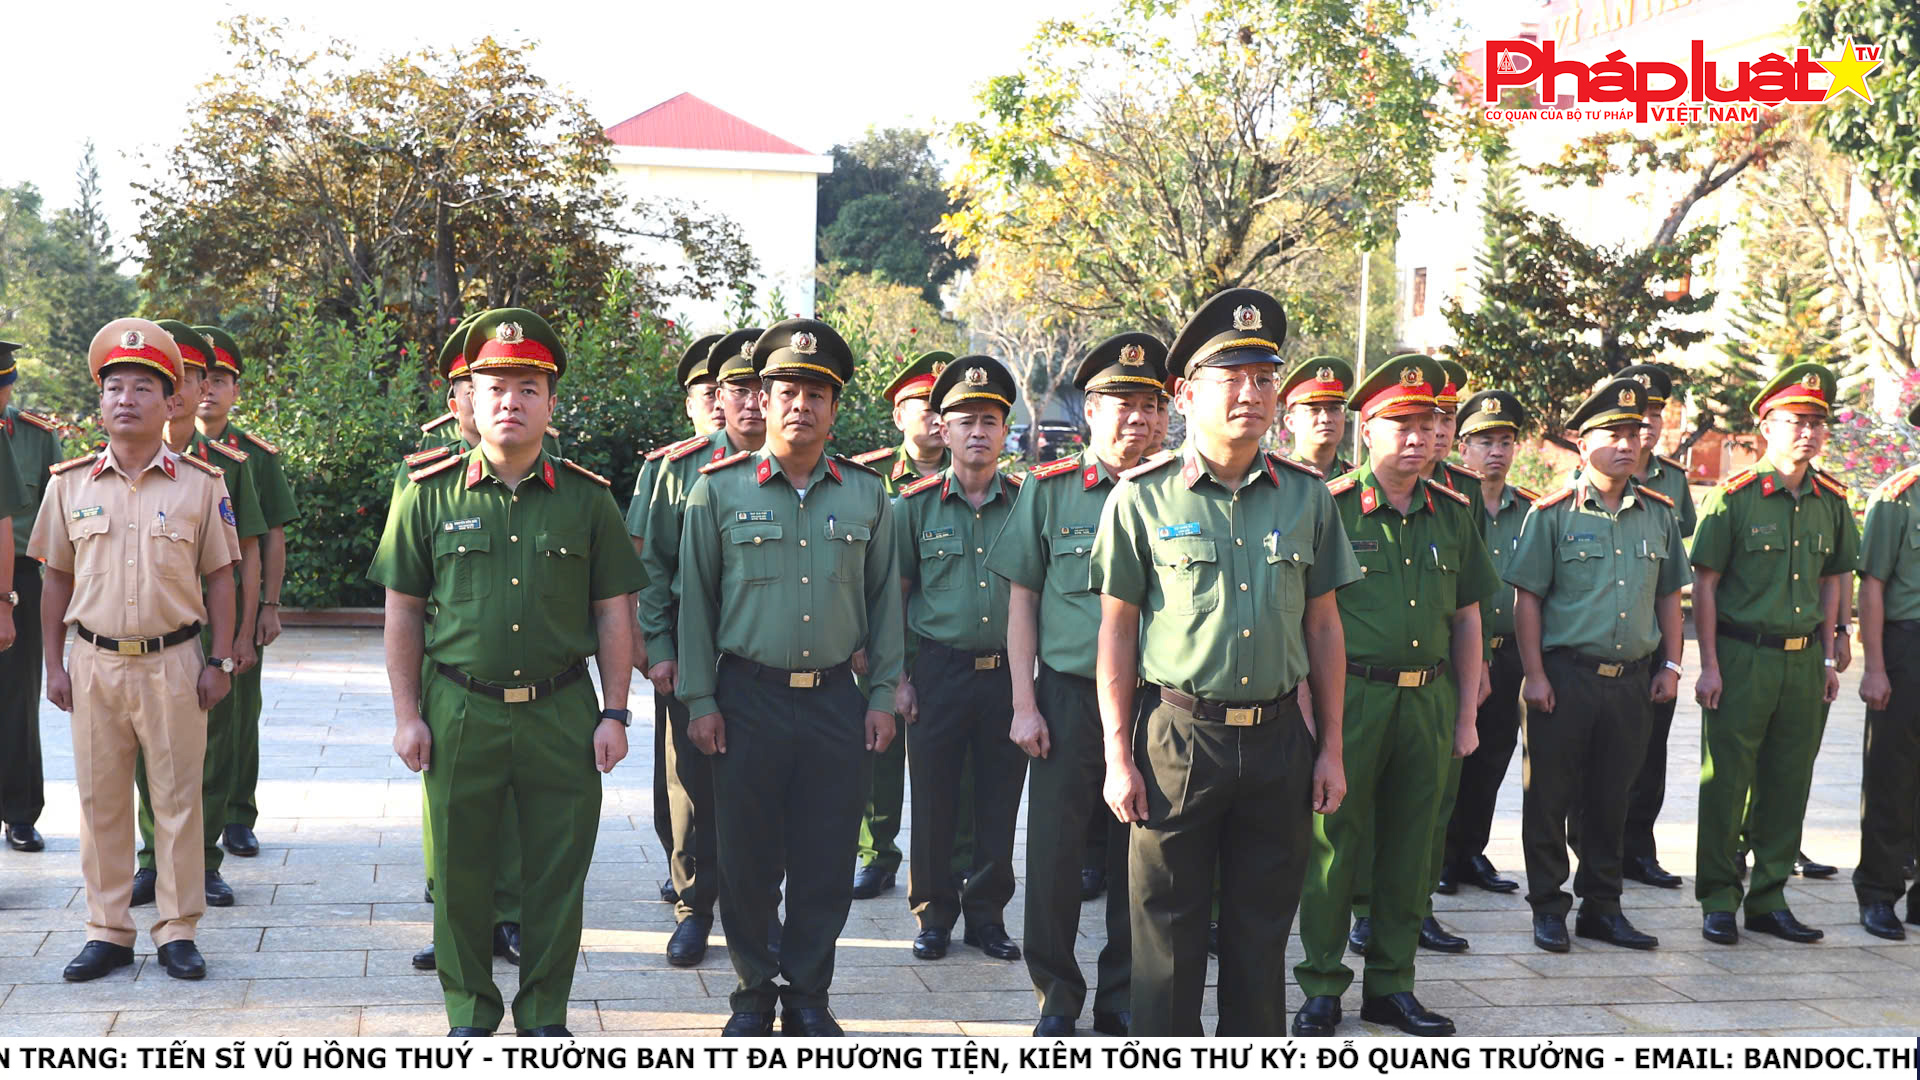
(128, 537)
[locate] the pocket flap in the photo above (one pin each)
(1071, 546)
(1183, 551)
(1579, 552)
(461, 543)
(162, 529)
(758, 532)
(1296, 548)
(850, 534)
(571, 545)
(85, 527)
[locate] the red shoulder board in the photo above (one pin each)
(658, 452)
(73, 463)
(436, 421)
(1670, 463)
(44, 423)
(922, 484)
(1147, 466)
(685, 446)
(586, 472)
(1012, 478)
(1340, 485)
(263, 444)
(206, 467)
(237, 455)
(1821, 479)
(1282, 459)
(434, 469)
(1564, 492)
(1435, 485)
(1464, 471)
(1056, 467)
(870, 456)
(1738, 480)
(730, 459)
(1526, 493)
(552, 434)
(858, 464)
(421, 457)
(1898, 484)
(1654, 495)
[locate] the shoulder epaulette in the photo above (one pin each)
(1340, 485)
(436, 468)
(1669, 462)
(44, 423)
(921, 484)
(1558, 496)
(552, 434)
(1148, 465)
(1456, 496)
(421, 457)
(1473, 474)
(685, 446)
(730, 459)
(262, 444)
(73, 463)
(204, 466)
(658, 452)
(1823, 480)
(858, 464)
(586, 472)
(1897, 484)
(1738, 480)
(236, 455)
(871, 456)
(1012, 478)
(1056, 467)
(1656, 496)
(1528, 494)
(436, 421)
(1310, 470)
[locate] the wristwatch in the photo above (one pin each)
(1675, 668)
(224, 663)
(1832, 663)
(12, 598)
(625, 716)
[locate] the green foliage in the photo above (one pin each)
(879, 207)
(1866, 447)
(886, 325)
(1883, 137)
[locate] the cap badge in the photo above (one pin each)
(133, 339)
(1410, 376)
(509, 333)
(1628, 399)
(1644, 380)
(1246, 317)
(1811, 380)
(976, 376)
(939, 368)
(1324, 374)
(746, 350)
(1491, 405)
(803, 343)
(1132, 354)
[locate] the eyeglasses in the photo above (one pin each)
(1264, 382)
(1798, 422)
(739, 392)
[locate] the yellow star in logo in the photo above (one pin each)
(1849, 74)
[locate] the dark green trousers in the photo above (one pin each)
(1650, 787)
(1232, 798)
(1763, 738)
(216, 783)
(508, 871)
(1587, 751)
(1481, 773)
(1063, 807)
(963, 711)
(1890, 779)
(540, 753)
(1398, 753)
(662, 781)
(787, 799)
(23, 792)
(695, 862)
(886, 802)
(243, 741)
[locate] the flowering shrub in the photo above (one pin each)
(1865, 448)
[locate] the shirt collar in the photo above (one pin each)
(950, 486)
(1192, 469)
(1371, 498)
(1093, 472)
(1590, 497)
(766, 467)
(1771, 481)
(163, 459)
(479, 469)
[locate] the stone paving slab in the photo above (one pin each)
(331, 912)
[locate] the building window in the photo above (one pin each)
(1679, 288)
(1419, 291)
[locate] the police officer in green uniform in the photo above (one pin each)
(1045, 552)
(32, 442)
(1890, 638)
(703, 412)
(922, 452)
(788, 566)
(1217, 567)
(1314, 395)
(695, 866)
(1768, 537)
(1598, 570)
(1413, 644)
(523, 558)
(958, 698)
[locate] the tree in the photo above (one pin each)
(1041, 346)
(879, 208)
(1881, 136)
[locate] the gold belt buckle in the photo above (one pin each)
(803, 680)
(1794, 644)
(1242, 717)
(1413, 678)
(516, 695)
(985, 663)
(1610, 671)
(131, 647)
(1494, 643)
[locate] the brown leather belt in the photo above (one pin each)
(982, 659)
(1406, 679)
(793, 680)
(514, 695)
(1606, 669)
(1230, 713)
(1794, 643)
(137, 646)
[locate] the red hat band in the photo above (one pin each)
(918, 386)
(1798, 397)
(145, 355)
(221, 357)
(523, 353)
(1398, 398)
(190, 355)
(1317, 390)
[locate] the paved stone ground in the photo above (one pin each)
(330, 911)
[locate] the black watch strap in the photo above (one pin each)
(625, 716)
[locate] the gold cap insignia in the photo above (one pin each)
(1491, 405)
(1644, 380)
(1324, 374)
(746, 350)
(977, 376)
(509, 333)
(1410, 376)
(803, 343)
(939, 368)
(1628, 399)
(1132, 354)
(1811, 380)
(133, 339)
(1246, 317)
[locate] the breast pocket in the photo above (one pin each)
(89, 539)
(1288, 559)
(1651, 561)
(174, 554)
(1189, 573)
(563, 564)
(1583, 567)
(1071, 564)
(848, 542)
(942, 560)
(463, 560)
(756, 548)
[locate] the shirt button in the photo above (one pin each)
(462, 549)
(1616, 551)
(983, 584)
(1416, 643)
(130, 563)
(1796, 577)
(979, 551)
(516, 498)
(516, 671)
(516, 628)
(803, 543)
(1243, 586)
(806, 618)
(1617, 648)
(129, 601)
(1622, 582)
(513, 539)
(757, 540)
(1246, 633)
(1413, 603)
(804, 653)
(1796, 611)
(563, 551)
(1497, 611)
(1624, 614)
(1079, 551)
(984, 618)
(1796, 543)
(1243, 680)
(1237, 542)
(803, 581)
(516, 581)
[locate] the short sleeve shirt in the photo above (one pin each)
(1772, 546)
(1890, 549)
(36, 451)
(943, 540)
(269, 476)
(1500, 531)
(1047, 546)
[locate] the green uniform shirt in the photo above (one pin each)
(1047, 546)
(1669, 478)
(642, 491)
(900, 469)
(1221, 577)
(34, 452)
(1891, 548)
(1598, 573)
(1772, 547)
(1341, 466)
(660, 526)
(789, 582)
(1416, 571)
(276, 495)
(943, 540)
(243, 485)
(511, 575)
(1500, 532)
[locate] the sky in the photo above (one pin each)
(814, 74)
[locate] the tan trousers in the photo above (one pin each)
(123, 705)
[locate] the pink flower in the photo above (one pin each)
(1881, 464)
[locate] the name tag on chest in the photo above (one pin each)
(1365, 545)
(462, 525)
(936, 534)
(88, 511)
(1185, 528)
(1768, 529)
(1076, 530)
(753, 515)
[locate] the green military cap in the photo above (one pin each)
(195, 350)
(1407, 385)
(452, 360)
(9, 371)
(1802, 388)
(1123, 364)
(1656, 378)
(803, 349)
(1491, 409)
(693, 363)
(732, 356)
(1616, 401)
(513, 337)
(917, 378)
(1456, 382)
(226, 351)
(975, 378)
(1238, 326)
(1317, 378)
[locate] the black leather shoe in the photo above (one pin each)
(1113, 1023)
(545, 1031)
(1093, 882)
(1880, 921)
(1360, 935)
(143, 882)
(219, 893)
(97, 958)
(182, 960)
(932, 944)
(809, 1023)
(668, 894)
(469, 1033)
(423, 960)
(1550, 931)
(1613, 929)
(506, 942)
(239, 840)
(1480, 873)
(688, 945)
(1448, 884)
(1647, 870)
(1403, 1011)
(25, 838)
(992, 939)
(1783, 925)
(1213, 939)
(870, 881)
(1054, 1027)
(748, 1025)
(1438, 940)
(1807, 868)
(1718, 927)
(1318, 1016)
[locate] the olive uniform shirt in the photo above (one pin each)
(788, 582)
(1890, 550)
(13, 494)
(511, 574)
(269, 476)
(897, 467)
(1500, 531)
(1221, 577)
(1772, 547)
(1598, 573)
(35, 445)
(943, 540)
(1047, 546)
(1669, 478)
(1341, 466)
(673, 477)
(240, 472)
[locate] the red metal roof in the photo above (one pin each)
(687, 123)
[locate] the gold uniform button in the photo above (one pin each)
(516, 671)
(1246, 633)
(516, 628)
(1409, 562)
(1243, 680)
(757, 540)
(1796, 577)
(516, 581)
(1237, 542)
(803, 543)
(1416, 643)
(983, 584)
(1243, 586)
(806, 618)
(1413, 603)
(803, 581)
